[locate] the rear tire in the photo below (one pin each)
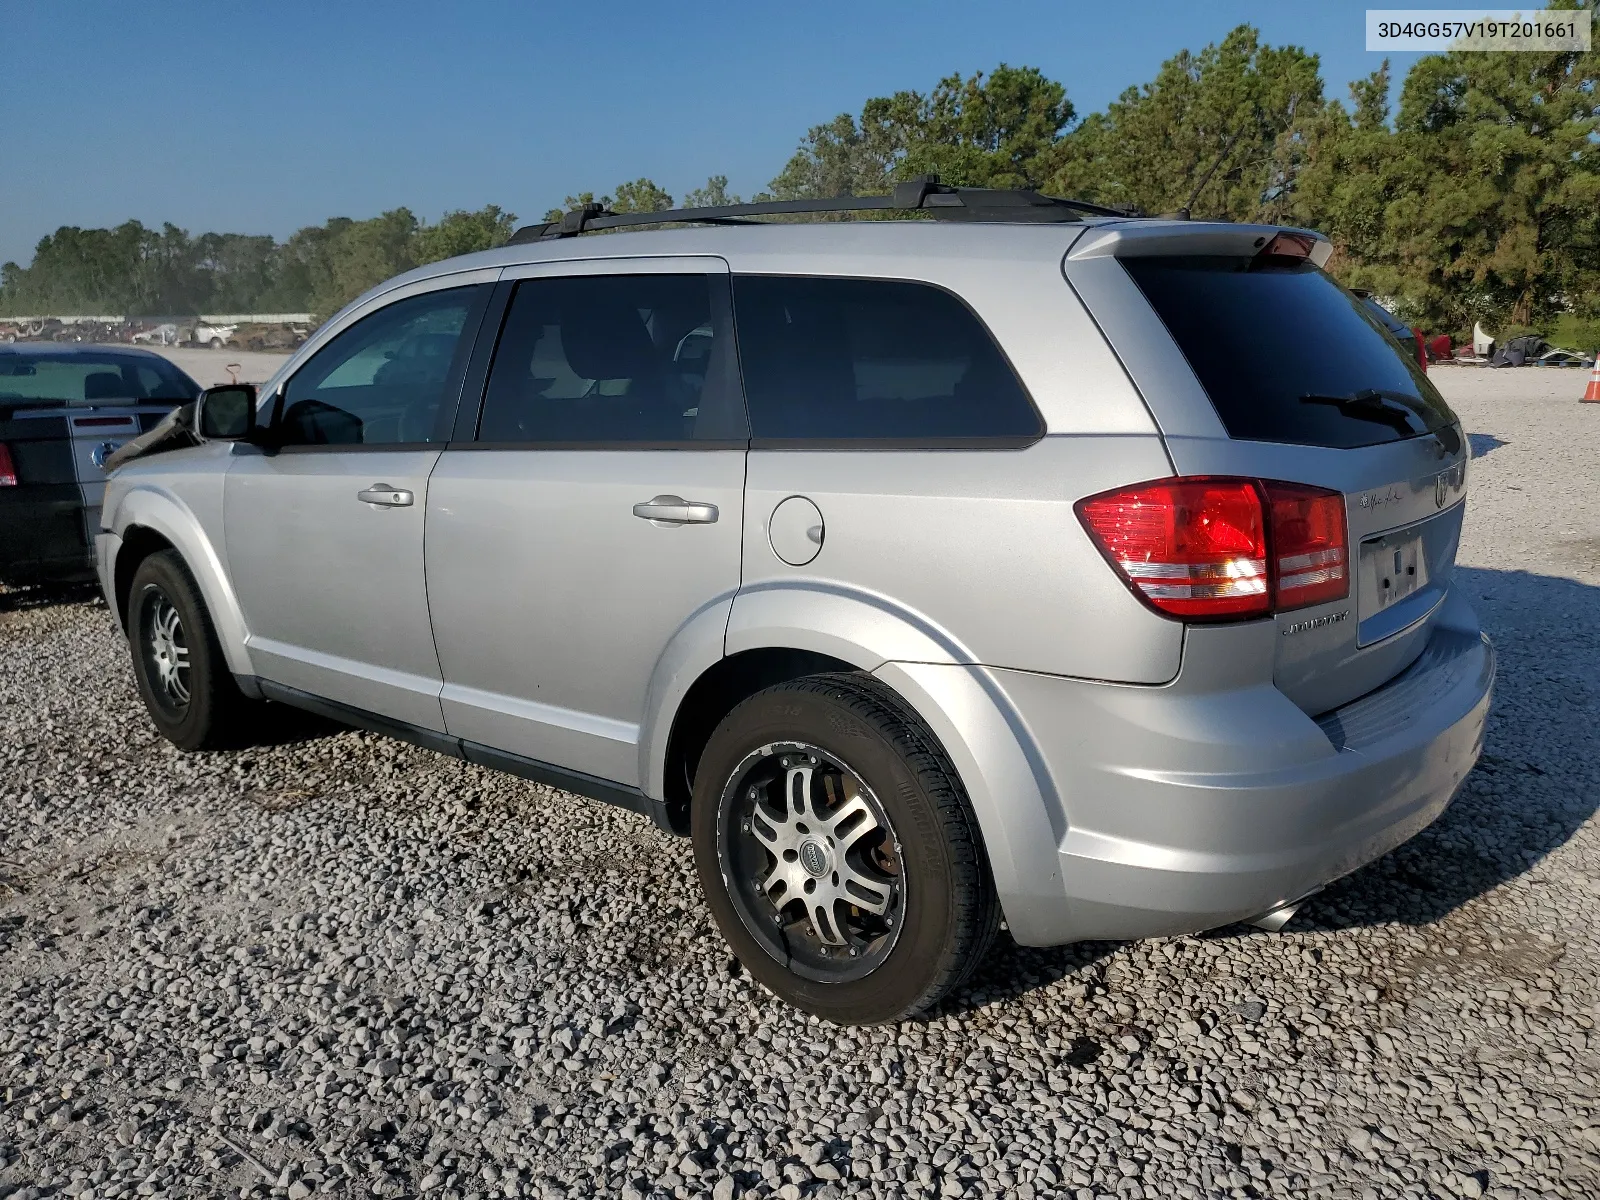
(838, 853)
(177, 660)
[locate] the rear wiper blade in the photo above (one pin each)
(1395, 409)
(1370, 405)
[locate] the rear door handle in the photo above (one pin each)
(385, 495)
(675, 510)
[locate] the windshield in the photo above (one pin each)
(92, 379)
(1287, 355)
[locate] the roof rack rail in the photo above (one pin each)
(923, 193)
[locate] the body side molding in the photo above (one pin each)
(577, 782)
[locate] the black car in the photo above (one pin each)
(63, 409)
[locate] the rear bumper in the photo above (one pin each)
(42, 535)
(1189, 810)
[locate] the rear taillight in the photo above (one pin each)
(1189, 547)
(1222, 549)
(8, 469)
(1310, 551)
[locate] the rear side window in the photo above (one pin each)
(847, 360)
(1287, 355)
(605, 359)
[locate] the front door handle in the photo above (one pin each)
(675, 510)
(385, 495)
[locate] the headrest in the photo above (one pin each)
(106, 385)
(605, 339)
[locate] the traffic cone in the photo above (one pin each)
(1591, 394)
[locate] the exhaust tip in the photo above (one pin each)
(1274, 919)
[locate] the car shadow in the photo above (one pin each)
(1528, 795)
(285, 725)
(16, 599)
(1483, 443)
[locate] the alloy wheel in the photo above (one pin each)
(812, 862)
(166, 652)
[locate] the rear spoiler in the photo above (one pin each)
(173, 432)
(1141, 239)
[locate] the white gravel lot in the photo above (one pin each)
(210, 367)
(341, 964)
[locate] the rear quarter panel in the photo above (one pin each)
(979, 552)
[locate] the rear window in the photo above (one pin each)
(92, 379)
(847, 360)
(1397, 327)
(1287, 355)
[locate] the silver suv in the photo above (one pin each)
(1080, 571)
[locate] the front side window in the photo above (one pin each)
(386, 379)
(608, 359)
(872, 360)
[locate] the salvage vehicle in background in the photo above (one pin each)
(63, 410)
(215, 336)
(269, 337)
(1090, 571)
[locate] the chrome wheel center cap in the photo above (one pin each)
(814, 857)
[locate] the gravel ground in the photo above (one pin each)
(341, 964)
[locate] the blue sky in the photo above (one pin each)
(261, 118)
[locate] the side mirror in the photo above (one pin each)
(227, 413)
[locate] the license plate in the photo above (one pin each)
(1392, 568)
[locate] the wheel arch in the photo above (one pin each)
(148, 521)
(776, 634)
(139, 542)
(740, 643)
(716, 692)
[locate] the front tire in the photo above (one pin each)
(177, 661)
(838, 852)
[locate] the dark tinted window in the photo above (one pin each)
(1398, 328)
(608, 358)
(846, 359)
(384, 380)
(1287, 355)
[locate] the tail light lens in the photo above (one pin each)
(8, 469)
(1222, 549)
(1189, 547)
(1310, 549)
